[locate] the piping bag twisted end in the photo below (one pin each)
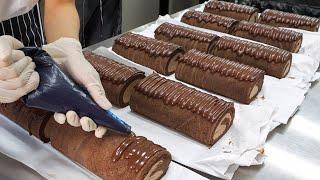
(59, 93)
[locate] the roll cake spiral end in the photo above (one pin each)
(117, 79)
(222, 126)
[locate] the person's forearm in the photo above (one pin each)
(61, 19)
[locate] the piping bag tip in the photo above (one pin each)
(121, 125)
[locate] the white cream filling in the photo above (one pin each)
(222, 127)
(254, 91)
(154, 173)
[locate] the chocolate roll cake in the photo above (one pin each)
(236, 11)
(117, 79)
(115, 156)
(199, 115)
(228, 78)
(185, 37)
(278, 37)
(31, 119)
(208, 21)
(158, 55)
(284, 19)
(274, 61)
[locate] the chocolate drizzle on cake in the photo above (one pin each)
(176, 94)
(137, 150)
(227, 6)
(110, 70)
(171, 30)
(222, 66)
(277, 34)
(294, 20)
(210, 18)
(151, 46)
(258, 51)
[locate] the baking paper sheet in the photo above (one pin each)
(16, 143)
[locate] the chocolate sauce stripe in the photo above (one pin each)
(151, 46)
(112, 71)
(172, 30)
(267, 31)
(177, 94)
(226, 6)
(222, 66)
(212, 18)
(169, 97)
(131, 148)
(155, 87)
(144, 83)
(258, 51)
(288, 18)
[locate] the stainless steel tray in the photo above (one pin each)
(293, 149)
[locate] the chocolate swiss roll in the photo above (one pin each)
(274, 61)
(31, 119)
(117, 79)
(196, 114)
(208, 21)
(236, 11)
(185, 37)
(284, 19)
(278, 37)
(115, 156)
(158, 55)
(228, 78)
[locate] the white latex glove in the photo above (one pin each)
(67, 52)
(17, 74)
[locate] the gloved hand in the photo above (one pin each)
(17, 74)
(67, 53)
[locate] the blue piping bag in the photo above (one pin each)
(59, 93)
